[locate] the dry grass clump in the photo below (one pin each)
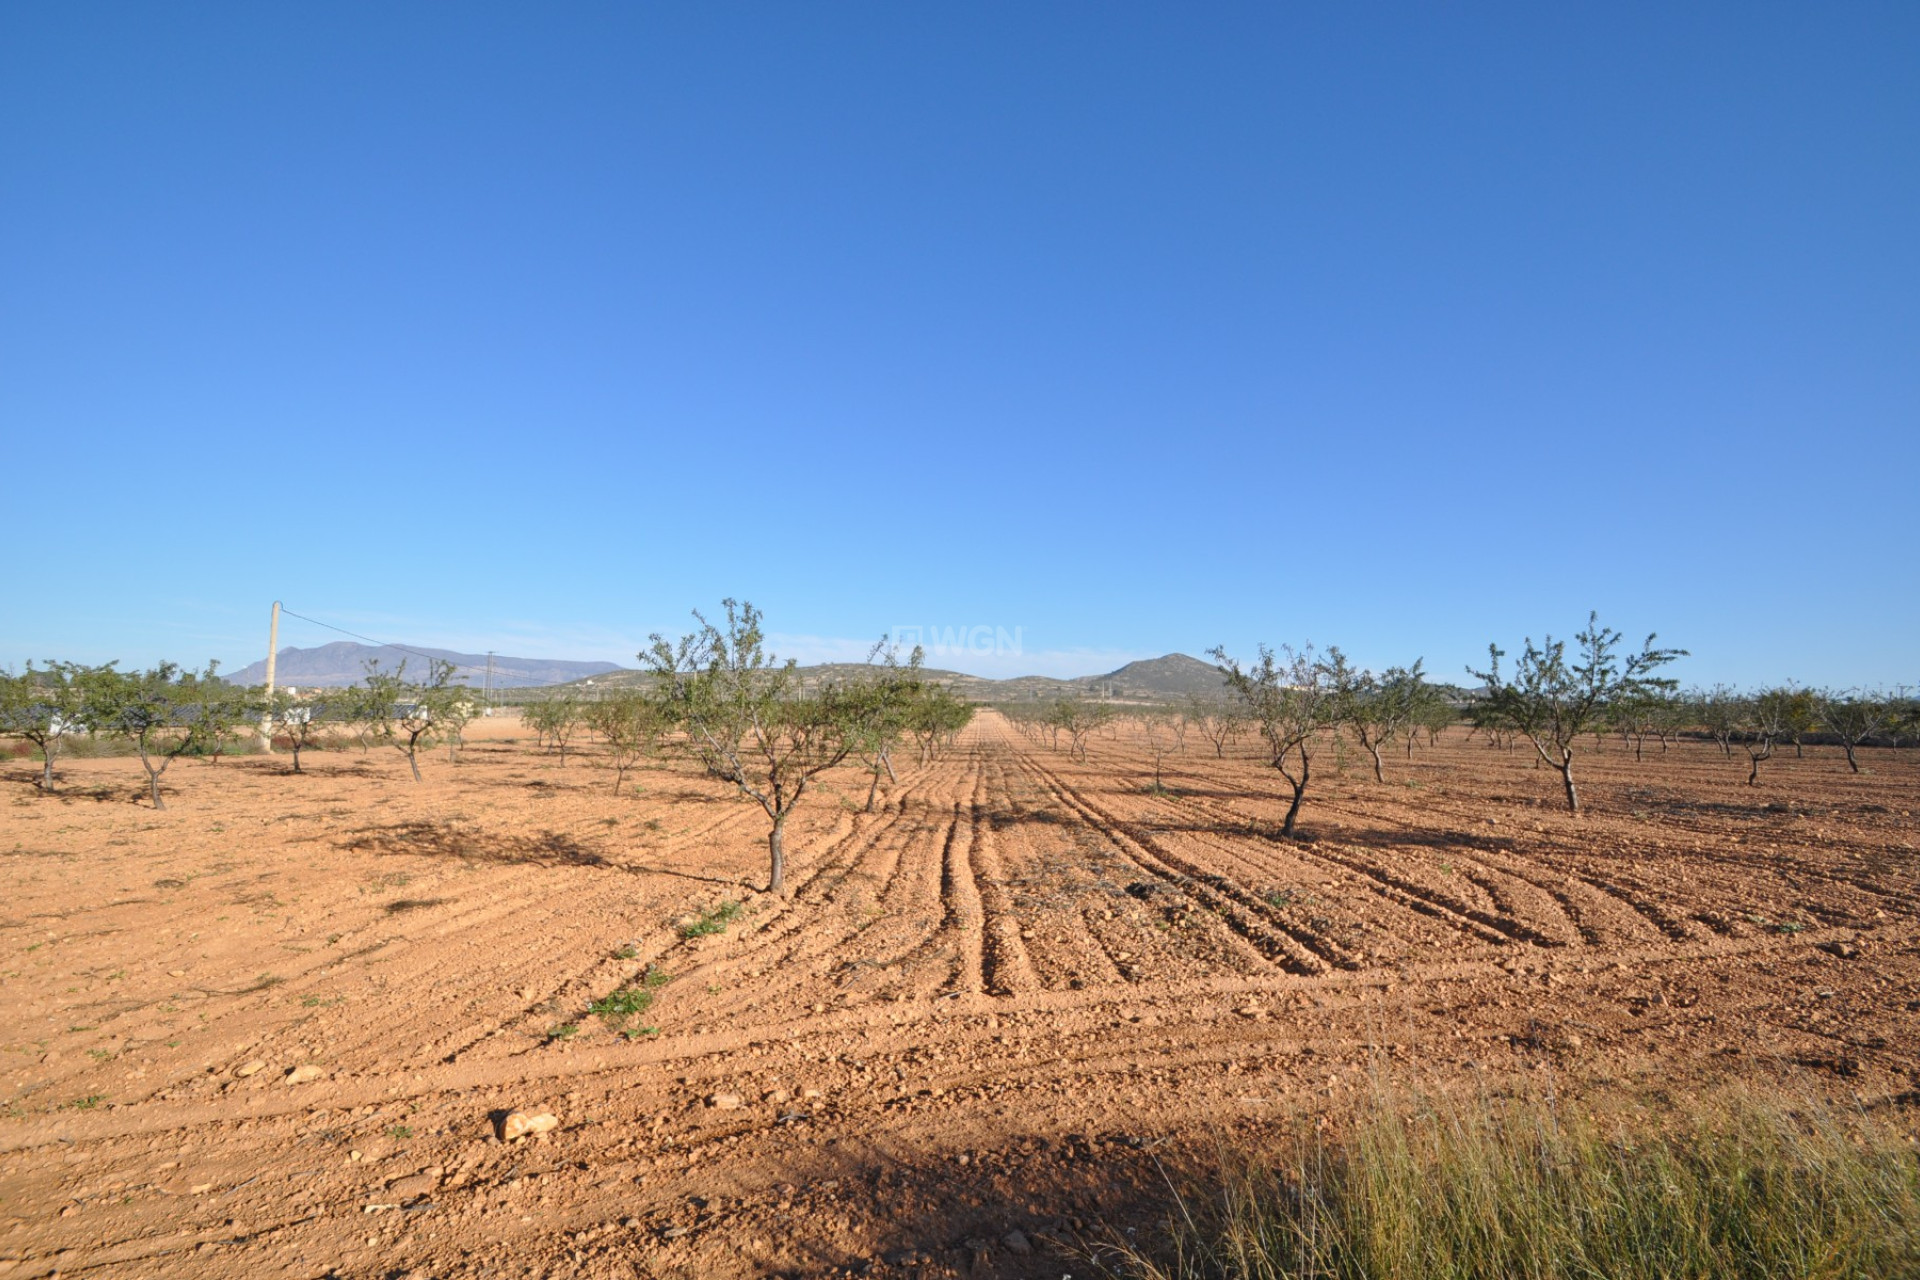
(1539, 1190)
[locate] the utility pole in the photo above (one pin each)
(273, 652)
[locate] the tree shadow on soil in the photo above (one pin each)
(441, 840)
(1030, 1207)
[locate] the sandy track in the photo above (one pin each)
(980, 1008)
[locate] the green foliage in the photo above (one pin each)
(1550, 1192)
(1551, 699)
(411, 715)
(935, 715)
(306, 722)
(629, 723)
(554, 719)
(1855, 717)
(1078, 718)
(1220, 719)
(747, 719)
(46, 707)
(617, 1008)
(1289, 700)
(1375, 708)
(711, 921)
(166, 713)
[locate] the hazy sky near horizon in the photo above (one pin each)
(1110, 329)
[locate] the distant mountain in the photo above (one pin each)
(344, 662)
(1172, 678)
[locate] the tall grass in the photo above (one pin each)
(1535, 1191)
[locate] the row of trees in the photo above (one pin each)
(745, 716)
(1551, 696)
(1761, 720)
(1291, 699)
(750, 720)
(166, 712)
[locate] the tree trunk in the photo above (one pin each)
(296, 755)
(1851, 762)
(777, 854)
(1753, 775)
(874, 789)
(413, 761)
(1566, 780)
(1374, 751)
(46, 772)
(153, 778)
(1299, 793)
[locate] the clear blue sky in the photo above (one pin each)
(1136, 328)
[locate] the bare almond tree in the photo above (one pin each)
(1551, 699)
(1219, 720)
(1374, 708)
(1288, 701)
(1854, 717)
(748, 720)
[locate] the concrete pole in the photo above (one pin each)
(273, 652)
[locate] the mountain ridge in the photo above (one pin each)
(343, 662)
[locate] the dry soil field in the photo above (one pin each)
(981, 1017)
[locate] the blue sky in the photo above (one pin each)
(1121, 328)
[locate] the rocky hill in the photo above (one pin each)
(344, 663)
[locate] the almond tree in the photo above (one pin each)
(1219, 721)
(936, 717)
(1551, 700)
(1432, 715)
(409, 716)
(1637, 717)
(1764, 719)
(555, 719)
(301, 721)
(630, 724)
(1288, 702)
(1375, 709)
(165, 713)
(1718, 711)
(45, 707)
(1079, 718)
(747, 719)
(1854, 717)
(888, 696)
(1163, 733)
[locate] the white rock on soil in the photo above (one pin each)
(519, 1124)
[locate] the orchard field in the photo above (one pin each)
(963, 1042)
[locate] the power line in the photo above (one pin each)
(385, 644)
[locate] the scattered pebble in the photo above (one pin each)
(518, 1124)
(246, 1069)
(304, 1075)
